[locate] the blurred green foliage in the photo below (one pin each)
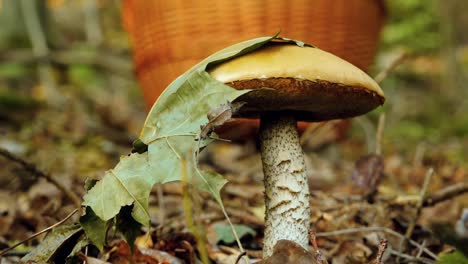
(426, 93)
(412, 24)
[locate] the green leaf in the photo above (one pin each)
(182, 113)
(46, 250)
(126, 225)
(95, 228)
(224, 233)
(83, 241)
(130, 182)
(210, 182)
(452, 257)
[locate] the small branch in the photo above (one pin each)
(379, 134)
(37, 37)
(92, 23)
(416, 212)
(390, 68)
(443, 195)
(382, 247)
(98, 57)
(3, 252)
(422, 194)
(410, 258)
(446, 194)
(31, 168)
(376, 229)
(319, 257)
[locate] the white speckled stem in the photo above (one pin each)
(287, 213)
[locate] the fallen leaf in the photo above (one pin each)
(51, 245)
(286, 251)
(224, 233)
(368, 173)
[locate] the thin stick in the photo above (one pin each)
(91, 21)
(446, 194)
(38, 41)
(417, 212)
(240, 256)
(422, 194)
(390, 68)
(3, 252)
(31, 168)
(379, 134)
(411, 258)
(105, 59)
(319, 257)
(420, 251)
(376, 229)
(382, 247)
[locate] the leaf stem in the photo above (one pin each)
(220, 202)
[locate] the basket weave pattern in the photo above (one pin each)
(171, 36)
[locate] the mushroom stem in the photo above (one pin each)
(287, 212)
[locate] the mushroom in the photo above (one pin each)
(304, 84)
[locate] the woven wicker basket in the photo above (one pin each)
(170, 36)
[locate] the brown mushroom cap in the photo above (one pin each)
(312, 84)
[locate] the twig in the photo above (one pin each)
(422, 194)
(91, 21)
(395, 63)
(411, 258)
(39, 233)
(376, 229)
(369, 132)
(240, 256)
(97, 57)
(31, 168)
(419, 154)
(318, 255)
(420, 251)
(446, 194)
(379, 134)
(39, 46)
(417, 212)
(382, 247)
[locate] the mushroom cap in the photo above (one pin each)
(310, 83)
